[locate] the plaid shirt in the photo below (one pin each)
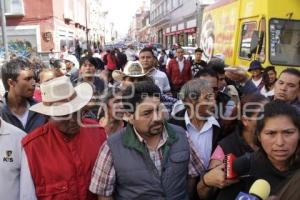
(104, 174)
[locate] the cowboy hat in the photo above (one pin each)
(72, 59)
(132, 69)
(254, 65)
(60, 98)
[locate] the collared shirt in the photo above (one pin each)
(161, 80)
(201, 139)
(180, 64)
(104, 174)
(34, 119)
(156, 154)
(15, 179)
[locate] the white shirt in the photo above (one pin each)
(201, 139)
(178, 106)
(130, 54)
(266, 93)
(181, 64)
(161, 80)
(15, 178)
(256, 83)
(97, 55)
(23, 118)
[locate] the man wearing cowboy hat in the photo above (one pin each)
(61, 153)
(256, 70)
(72, 66)
(133, 71)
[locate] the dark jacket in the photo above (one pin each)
(234, 143)
(178, 120)
(98, 84)
(34, 119)
(260, 167)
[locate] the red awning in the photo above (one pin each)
(187, 30)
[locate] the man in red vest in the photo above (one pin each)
(61, 154)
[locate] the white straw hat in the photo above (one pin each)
(131, 69)
(59, 97)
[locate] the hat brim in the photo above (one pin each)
(119, 75)
(84, 93)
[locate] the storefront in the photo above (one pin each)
(185, 37)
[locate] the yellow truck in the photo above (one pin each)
(244, 30)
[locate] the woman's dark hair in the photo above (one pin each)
(279, 108)
(91, 59)
(266, 79)
(108, 94)
(248, 107)
(250, 103)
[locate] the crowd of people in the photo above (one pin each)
(115, 125)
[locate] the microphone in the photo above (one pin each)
(260, 190)
(241, 166)
(228, 162)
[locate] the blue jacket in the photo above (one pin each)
(34, 119)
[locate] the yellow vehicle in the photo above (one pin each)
(244, 30)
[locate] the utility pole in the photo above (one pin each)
(86, 26)
(3, 24)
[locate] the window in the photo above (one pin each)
(247, 31)
(175, 4)
(169, 5)
(285, 42)
(14, 7)
(262, 43)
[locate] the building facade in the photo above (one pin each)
(139, 30)
(176, 21)
(173, 22)
(49, 24)
(144, 33)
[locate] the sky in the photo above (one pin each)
(120, 12)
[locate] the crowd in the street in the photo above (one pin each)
(116, 124)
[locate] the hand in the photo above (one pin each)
(237, 74)
(216, 177)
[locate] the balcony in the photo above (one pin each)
(160, 19)
(14, 8)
